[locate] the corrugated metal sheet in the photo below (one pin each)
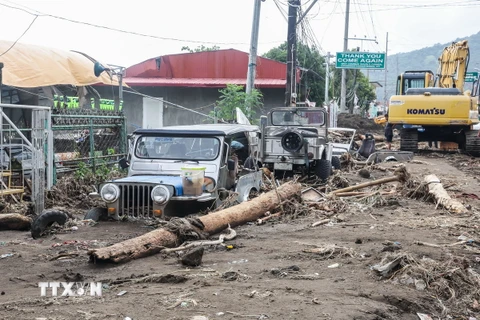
(229, 64)
(200, 82)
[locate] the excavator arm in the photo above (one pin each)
(453, 64)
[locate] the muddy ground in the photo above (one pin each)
(268, 274)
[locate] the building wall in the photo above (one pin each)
(198, 99)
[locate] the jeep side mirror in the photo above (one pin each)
(231, 165)
(123, 163)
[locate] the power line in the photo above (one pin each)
(24, 32)
(402, 7)
(41, 14)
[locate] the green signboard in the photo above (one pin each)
(471, 76)
(360, 60)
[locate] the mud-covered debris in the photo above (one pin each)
(339, 181)
(234, 276)
(284, 272)
(311, 195)
(14, 221)
(152, 278)
(453, 282)
(364, 173)
(330, 251)
(193, 258)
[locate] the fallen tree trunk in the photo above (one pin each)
(14, 221)
(400, 174)
(441, 196)
(156, 240)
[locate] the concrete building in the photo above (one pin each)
(192, 80)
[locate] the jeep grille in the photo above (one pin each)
(135, 201)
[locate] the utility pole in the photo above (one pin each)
(343, 89)
(327, 73)
(252, 60)
(291, 86)
(385, 99)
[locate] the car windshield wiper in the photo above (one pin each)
(177, 161)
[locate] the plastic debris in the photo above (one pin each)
(121, 293)
(239, 261)
(335, 265)
(6, 255)
(420, 285)
(423, 316)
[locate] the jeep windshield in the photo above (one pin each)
(306, 118)
(177, 148)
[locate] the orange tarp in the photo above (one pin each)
(30, 66)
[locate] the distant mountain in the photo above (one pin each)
(422, 59)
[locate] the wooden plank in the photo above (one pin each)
(11, 191)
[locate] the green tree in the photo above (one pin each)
(311, 62)
(312, 82)
(200, 48)
(234, 96)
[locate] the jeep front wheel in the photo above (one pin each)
(323, 168)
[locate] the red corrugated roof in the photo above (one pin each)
(200, 82)
(211, 67)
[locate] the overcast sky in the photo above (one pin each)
(411, 24)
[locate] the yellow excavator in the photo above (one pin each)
(407, 80)
(443, 111)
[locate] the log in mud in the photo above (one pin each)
(156, 240)
(14, 221)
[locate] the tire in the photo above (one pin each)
(323, 168)
(46, 219)
(472, 143)
(97, 214)
(336, 163)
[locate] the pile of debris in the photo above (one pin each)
(355, 121)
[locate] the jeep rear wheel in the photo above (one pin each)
(336, 164)
(323, 169)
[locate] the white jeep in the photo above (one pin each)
(295, 140)
(155, 185)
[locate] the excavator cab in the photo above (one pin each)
(414, 79)
(410, 80)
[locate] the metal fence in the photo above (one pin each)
(91, 137)
(25, 152)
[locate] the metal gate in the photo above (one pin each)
(29, 132)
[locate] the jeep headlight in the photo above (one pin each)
(160, 194)
(110, 192)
